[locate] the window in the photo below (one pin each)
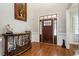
(75, 28)
(55, 27)
(75, 25)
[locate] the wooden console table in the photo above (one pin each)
(15, 44)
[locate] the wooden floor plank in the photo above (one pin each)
(44, 49)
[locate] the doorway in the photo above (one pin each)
(48, 29)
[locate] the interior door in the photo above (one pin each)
(47, 30)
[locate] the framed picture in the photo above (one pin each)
(20, 11)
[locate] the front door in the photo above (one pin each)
(47, 30)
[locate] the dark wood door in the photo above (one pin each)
(47, 30)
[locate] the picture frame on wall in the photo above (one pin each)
(20, 11)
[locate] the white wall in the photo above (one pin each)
(7, 17)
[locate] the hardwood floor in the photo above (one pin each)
(44, 49)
